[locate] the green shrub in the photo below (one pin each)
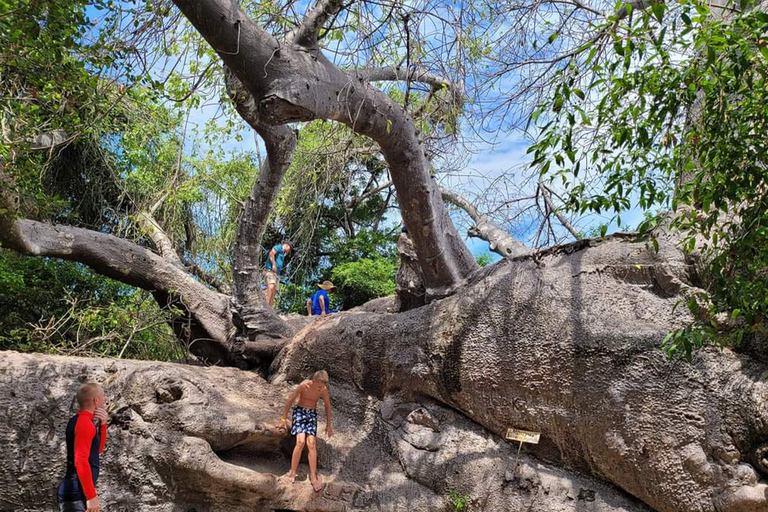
(362, 280)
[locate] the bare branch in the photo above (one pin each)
(207, 278)
(307, 33)
(462, 203)
(359, 199)
(499, 240)
(546, 193)
(159, 238)
(396, 74)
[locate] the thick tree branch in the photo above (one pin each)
(307, 33)
(498, 239)
(132, 264)
(289, 84)
(462, 203)
(126, 262)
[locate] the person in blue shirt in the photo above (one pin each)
(274, 267)
(320, 303)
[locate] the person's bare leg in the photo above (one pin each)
(300, 439)
(312, 447)
(309, 307)
(271, 292)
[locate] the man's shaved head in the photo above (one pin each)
(87, 393)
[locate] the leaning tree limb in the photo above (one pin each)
(499, 240)
(134, 265)
(289, 84)
(257, 318)
(127, 262)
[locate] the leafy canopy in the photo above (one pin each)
(672, 115)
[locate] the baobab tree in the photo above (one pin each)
(564, 341)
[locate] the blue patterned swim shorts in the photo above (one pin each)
(304, 421)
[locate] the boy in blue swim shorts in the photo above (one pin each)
(304, 422)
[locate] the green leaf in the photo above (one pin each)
(658, 10)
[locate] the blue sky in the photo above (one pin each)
(487, 161)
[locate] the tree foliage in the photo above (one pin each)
(62, 307)
(672, 116)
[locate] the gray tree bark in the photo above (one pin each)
(569, 345)
(135, 265)
(499, 240)
(258, 320)
(566, 344)
(187, 438)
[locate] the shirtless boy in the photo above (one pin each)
(304, 422)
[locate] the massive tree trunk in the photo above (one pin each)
(296, 82)
(566, 344)
(569, 345)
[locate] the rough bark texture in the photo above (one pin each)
(295, 83)
(566, 344)
(187, 438)
(409, 283)
(570, 347)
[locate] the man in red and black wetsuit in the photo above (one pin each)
(86, 437)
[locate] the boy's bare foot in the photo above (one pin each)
(291, 477)
(316, 485)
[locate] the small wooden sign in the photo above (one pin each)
(524, 436)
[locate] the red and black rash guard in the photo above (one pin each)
(84, 444)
